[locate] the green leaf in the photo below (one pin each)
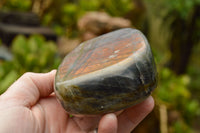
(8, 80)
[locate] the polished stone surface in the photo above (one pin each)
(106, 74)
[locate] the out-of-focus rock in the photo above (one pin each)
(117, 23)
(88, 35)
(65, 45)
(93, 24)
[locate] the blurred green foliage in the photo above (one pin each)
(180, 93)
(32, 54)
(69, 13)
(63, 15)
(180, 127)
(185, 11)
(173, 91)
(176, 92)
(16, 5)
(182, 7)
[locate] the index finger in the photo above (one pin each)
(131, 117)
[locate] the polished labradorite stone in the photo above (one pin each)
(106, 74)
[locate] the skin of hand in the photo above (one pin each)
(30, 106)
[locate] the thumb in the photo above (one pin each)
(108, 124)
(30, 87)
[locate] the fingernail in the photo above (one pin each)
(110, 116)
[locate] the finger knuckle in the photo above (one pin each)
(27, 75)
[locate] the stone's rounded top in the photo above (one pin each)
(101, 52)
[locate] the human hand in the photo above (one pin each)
(30, 106)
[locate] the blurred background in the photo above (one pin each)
(36, 34)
